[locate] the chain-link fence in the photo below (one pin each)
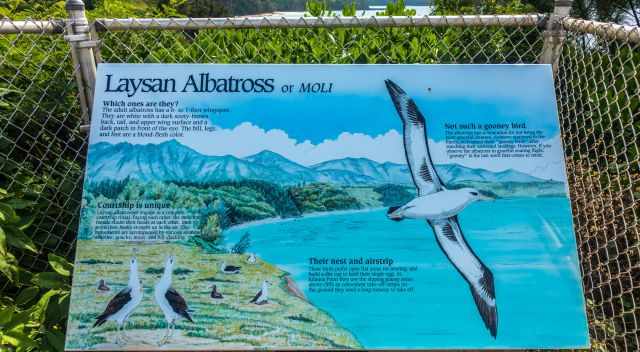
(42, 150)
(43, 84)
(597, 87)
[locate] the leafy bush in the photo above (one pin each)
(322, 197)
(34, 318)
(470, 7)
(243, 243)
(394, 195)
(317, 8)
(396, 9)
(349, 9)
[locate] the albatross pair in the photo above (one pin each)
(121, 306)
(440, 207)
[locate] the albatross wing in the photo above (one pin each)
(416, 147)
(255, 298)
(480, 279)
(114, 306)
(177, 303)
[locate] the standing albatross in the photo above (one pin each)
(173, 306)
(262, 297)
(440, 208)
(123, 303)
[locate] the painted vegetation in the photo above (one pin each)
(228, 323)
(226, 191)
(232, 190)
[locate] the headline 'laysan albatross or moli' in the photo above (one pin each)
(440, 207)
(123, 303)
(173, 306)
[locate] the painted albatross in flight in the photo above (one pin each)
(440, 208)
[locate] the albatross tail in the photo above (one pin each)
(101, 319)
(392, 216)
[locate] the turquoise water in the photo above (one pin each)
(528, 243)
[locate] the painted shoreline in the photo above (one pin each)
(315, 214)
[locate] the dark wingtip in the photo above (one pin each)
(99, 322)
(393, 88)
(488, 313)
(188, 316)
(392, 209)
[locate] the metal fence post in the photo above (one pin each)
(82, 45)
(554, 34)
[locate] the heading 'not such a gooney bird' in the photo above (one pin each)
(440, 207)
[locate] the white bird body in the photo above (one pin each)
(264, 293)
(172, 305)
(122, 305)
(262, 297)
(435, 206)
(159, 294)
(252, 258)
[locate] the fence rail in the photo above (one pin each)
(31, 26)
(317, 22)
(630, 34)
(46, 70)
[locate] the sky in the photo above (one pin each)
(357, 119)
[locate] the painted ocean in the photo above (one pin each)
(527, 243)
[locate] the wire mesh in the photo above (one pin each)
(597, 88)
(42, 151)
(151, 42)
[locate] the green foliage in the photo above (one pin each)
(397, 8)
(607, 10)
(243, 243)
(107, 188)
(471, 7)
(317, 8)
(608, 111)
(33, 319)
(211, 229)
(32, 9)
(12, 236)
(349, 9)
(322, 197)
(394, 195)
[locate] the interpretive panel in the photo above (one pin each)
(325, 207)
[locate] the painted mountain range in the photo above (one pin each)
(172, 161)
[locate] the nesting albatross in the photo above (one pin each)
(440, 208)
